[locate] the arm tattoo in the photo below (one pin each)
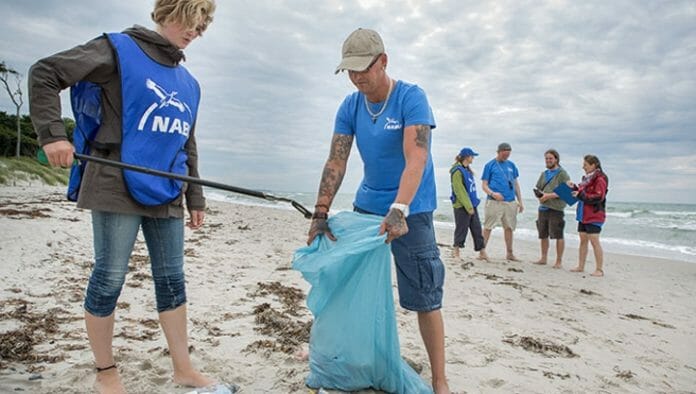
(330, 181)
(422, 136)
(331, 178)
(340, 147)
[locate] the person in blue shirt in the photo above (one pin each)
(499, 182)
(391, 122)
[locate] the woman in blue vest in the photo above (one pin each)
(145, 114)
(465, 202)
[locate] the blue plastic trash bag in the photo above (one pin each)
(354, 343)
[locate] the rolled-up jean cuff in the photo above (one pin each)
(429, 308)
(170, 289)
(171, 307)
(102, 312)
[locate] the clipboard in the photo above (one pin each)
(564, 193)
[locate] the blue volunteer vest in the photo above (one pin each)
(159, 109)
(85, 99)
(469, 185)
(160, 104)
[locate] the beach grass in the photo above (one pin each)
(26, 169)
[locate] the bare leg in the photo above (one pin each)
(544, 252)
(486, 236)
(508, 245)
(598, 255)
(433, 333)
(582, 253)
(483, 255)
(100, 331)
(560, 248)
(174, 326)
(455, 252)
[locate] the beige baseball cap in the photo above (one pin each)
(360, 49)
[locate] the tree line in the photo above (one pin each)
(17, 136)
(28, 145)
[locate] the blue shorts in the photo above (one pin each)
(420, 273)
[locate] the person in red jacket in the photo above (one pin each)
(591, 193)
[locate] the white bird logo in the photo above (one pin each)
(166, 98)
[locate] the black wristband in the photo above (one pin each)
(320, 215)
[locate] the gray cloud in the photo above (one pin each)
(614, 79)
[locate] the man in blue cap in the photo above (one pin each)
(465, 201)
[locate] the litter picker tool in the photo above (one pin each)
(254, 193)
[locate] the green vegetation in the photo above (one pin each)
(26, 168)
(16, 97)
(29, 169)
(8, 135)
(29, 146)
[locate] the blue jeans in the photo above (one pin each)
(114, 238)
(420, 273)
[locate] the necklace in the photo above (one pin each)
(373, 115)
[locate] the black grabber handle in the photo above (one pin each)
(254, 193)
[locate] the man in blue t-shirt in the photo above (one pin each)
(391, 122)
(499, 182)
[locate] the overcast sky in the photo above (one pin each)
(613, 78)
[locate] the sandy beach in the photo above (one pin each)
(510, 326)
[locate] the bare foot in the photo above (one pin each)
(577, 269)
(540, 262)
(109, 382)
(482, 256)
(557, 265)
(193, 378)
(598, 273)
(511, 257)
(301, 355)
(441, 388)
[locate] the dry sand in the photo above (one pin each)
(510, 327)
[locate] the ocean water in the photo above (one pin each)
(645, 229)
